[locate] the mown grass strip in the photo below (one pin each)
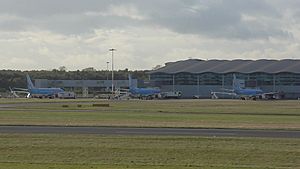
(159, 113)
(66, 151)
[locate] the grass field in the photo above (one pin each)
(145, 152)
(162, 113)
(54, 151)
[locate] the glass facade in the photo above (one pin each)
(251, 80)
(287, 79)
(185, 79)
(161, 79)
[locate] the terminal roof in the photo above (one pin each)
(197, 66)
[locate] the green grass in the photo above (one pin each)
(95, 151)
(35, 100)
(53, 151)
(161, 113)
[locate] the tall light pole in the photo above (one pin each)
(112, 69)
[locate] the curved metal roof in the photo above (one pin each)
(229, 66)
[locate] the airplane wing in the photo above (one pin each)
(14, 92)
(214, 95)
(21, 92)
(19, 89)
(122, 89)
(270, 93)
(227, 93)
(230, 90)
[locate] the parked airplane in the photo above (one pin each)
(243, 93)
(34, 92)
(143, 93)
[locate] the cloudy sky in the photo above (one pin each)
(46, 34)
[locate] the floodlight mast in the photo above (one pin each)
(112, 69)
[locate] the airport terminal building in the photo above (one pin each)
(195, 77)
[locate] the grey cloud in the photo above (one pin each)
(65, 17)
(44, 8)
(221, 19)
(13, 25)
(80, 24)
(216, 18)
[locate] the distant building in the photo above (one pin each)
(86, 87)
(200, 77)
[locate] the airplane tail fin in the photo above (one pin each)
(130, 81)
(131, 86)
(29, 82)
(235, 83)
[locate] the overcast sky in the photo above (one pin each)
(46, 34)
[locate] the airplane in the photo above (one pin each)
(243, 93)
(34, 92)
(143, 93)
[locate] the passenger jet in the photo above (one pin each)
(34, 92)
(147, 93)
(244, 94)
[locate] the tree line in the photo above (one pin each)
(16, 78)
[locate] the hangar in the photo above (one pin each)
(200, 77)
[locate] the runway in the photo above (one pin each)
(129, 131)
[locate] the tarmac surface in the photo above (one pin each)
(150, 131)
